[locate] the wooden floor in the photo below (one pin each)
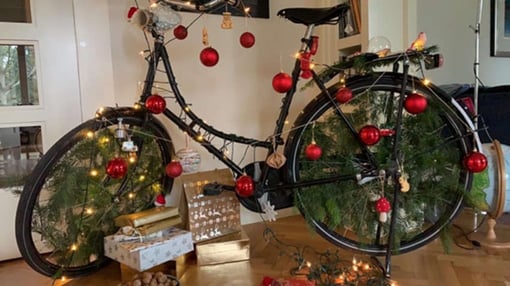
(426, 266)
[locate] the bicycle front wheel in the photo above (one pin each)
(431, 146)
(69, 203)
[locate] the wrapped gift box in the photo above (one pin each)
(145, 255)
(229, 248)
(147, 216)
(208, 217)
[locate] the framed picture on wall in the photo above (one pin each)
(500, 28)
(257, 8)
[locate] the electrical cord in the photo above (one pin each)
(474, 243)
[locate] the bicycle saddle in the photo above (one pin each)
(314, 16)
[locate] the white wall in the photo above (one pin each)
(447, 25)
(234, 96)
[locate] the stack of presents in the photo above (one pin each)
(207, 228)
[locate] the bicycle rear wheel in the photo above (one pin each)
(432, 145)
(69, 203)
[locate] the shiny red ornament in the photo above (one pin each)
(180, 32)
(245, 187)
(313, 151)
(155, 104)
(370, 135)
(282, 82)
(160, 200)
(415, 103)
(116, 168)
(209, 57)
(343, 95)
(173, 169)
(247, 40)
(475, 162)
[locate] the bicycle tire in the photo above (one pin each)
(356, 226)
(62, 198)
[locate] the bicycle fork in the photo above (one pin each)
(396, 167)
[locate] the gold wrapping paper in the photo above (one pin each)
(229, 248)
(146, 216)
(147, 229)
(208, 217)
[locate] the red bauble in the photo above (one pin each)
(415, 103)
(313, 151)
(247, 40)
(180, 32)
(209, 57)
(282, 82)
(245, 186)
(475, 162)
(343, 95)
(173, 169)
(155, 104)
(116, 168)
(369, 135)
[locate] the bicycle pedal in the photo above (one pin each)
(213, 189)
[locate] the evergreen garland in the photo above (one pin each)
(75, 209)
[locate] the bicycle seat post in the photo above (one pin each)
(305, 41)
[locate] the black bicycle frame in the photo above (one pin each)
(196, 125)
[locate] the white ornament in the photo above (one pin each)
(268, 209)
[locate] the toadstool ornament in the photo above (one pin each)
(382, 206)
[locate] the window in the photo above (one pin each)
(17, 11)
(18, 77)
(20, 149)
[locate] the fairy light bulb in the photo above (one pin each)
(141, 178)
(297, 55)
(90, 134)
(137, 106)
(99, 112)
(354, 261)
(94, 173)
(132, 157)
(393, 283)
(200, 137)
(89, 211)
(156, 188)
(131, 196)
(63, 278)
(74, 247)
(312, 65)
(286, 122)
(187, 108)
(355, 268)
(366, 267)
(426, 81)
(308, 264)
(247, 10)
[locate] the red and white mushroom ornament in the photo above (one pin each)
(383, 207)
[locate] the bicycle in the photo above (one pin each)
(64, 198)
